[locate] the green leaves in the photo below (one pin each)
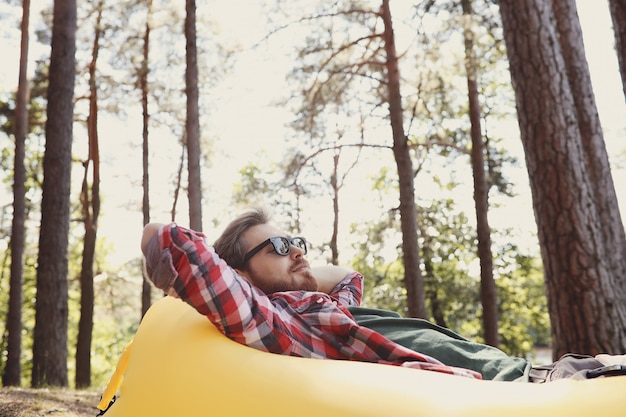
(452, 277)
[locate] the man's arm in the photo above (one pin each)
(179, 261)
(149, 230)
(328, 276)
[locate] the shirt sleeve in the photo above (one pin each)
(189, 266)
(349, 290)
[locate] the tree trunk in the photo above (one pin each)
(430, 283)
(179, 179)
(408, 210)
(91, 211)
(50, 333)
(587, 308)
(571, 40)
(193, 121)
(488, 291)
(334, 183)
(85, 323)
(13, 368)
(618, 17)
(146, 288)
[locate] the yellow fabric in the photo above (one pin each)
(181, 365)
(116, 379)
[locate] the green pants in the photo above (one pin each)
(440, 343)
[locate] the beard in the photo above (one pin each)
(298, 281)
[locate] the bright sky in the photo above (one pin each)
(257, 78)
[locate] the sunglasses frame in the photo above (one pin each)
(277, 242)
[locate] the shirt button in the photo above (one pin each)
(320, 300)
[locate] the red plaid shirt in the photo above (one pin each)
(296, 323)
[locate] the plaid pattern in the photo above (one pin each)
(296, 323)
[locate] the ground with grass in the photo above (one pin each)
(22, 402)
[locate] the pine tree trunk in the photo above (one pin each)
(193, 120)
(571, 40)
(408, 210)
(91, 212)
(13, 367)
(50, 334)
(587, 307)
(618, 17)
(488, 291)
(146, 288)
(334, 183)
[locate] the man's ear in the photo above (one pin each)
(242, 273)
(245, 274)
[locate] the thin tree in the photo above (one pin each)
(334, 183)
(50, 333)
(146, 289)
(618, 17)
(193, 119)
(293, 182)
(576, 257)
(431, 291)
(337, 181)
(401, 151)
(13, 367)
(90, 201)
(178, 179)
(488, 292)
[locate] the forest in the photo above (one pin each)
(452, 151)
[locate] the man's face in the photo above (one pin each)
(272, 272)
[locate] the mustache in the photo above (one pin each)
(298, 263)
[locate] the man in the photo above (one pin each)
(257, 288)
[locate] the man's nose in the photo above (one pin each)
(296, 252)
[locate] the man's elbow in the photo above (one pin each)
(149, 231)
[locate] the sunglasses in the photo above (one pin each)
(282, 246)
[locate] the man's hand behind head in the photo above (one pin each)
(158, 262)
(149, 231)
(328, 276)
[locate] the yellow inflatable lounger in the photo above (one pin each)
(179, 364)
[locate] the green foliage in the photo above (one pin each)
(29, 294)
(117, 306)
(252, 187)
(34, 145)
(452, 277)
(382, 267)
(523, 309)
(116, 311)
(116, 318)
(271, 187)
(448, 252)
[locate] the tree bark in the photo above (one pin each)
(618, 17)
(408, 210)
(430, 282)
(50, 333)
(146, 288)
(587, 306)
(179, 179)
(91, 212)
(488, 291)
(334, 183)
(572, 45)
(193, 120)
(13, 367)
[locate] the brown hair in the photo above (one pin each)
(229, 246)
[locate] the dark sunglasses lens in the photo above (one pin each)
(281, 245)
(299, 242)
